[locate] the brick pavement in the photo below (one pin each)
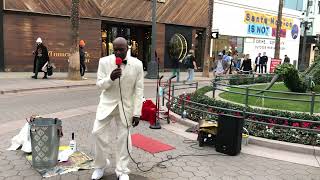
(14, 166)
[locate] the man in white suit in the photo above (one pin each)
(124, 111)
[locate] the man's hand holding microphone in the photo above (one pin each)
(115, 74)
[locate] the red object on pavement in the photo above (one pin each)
(148, 144)
(148, 112)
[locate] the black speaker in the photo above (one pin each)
(229, 134)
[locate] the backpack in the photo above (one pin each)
(187, 62)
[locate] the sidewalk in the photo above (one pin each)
(21, 81)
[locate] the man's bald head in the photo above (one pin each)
(120, 47)
(120, 40)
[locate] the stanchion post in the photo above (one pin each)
(182, 104)
(313, 95)
(214, 85)
(163, 95)
(172, 90)
(247, 97)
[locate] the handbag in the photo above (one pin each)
(49, 69)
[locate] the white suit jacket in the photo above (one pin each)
(132, 86)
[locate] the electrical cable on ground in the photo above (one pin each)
(169, 157)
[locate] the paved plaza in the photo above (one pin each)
(76, 107)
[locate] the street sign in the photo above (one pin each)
(215, 35)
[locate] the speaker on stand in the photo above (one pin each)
(229, 134)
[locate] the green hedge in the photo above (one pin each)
(270, 132)
(250, 79)
(291, 78)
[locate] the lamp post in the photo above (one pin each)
(152, 65)
(305, 24)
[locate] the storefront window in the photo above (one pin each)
(229, 43)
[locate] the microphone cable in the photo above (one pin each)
(169, 157)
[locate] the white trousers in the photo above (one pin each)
(103, 133)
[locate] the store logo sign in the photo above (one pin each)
(258, 29)
(295, 31)
(159, 1)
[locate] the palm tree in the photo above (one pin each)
(74, 59)
(277, 44)
(206, 64)
(279, 24)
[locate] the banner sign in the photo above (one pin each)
(267, 20)
(274, 63)
(258, 29)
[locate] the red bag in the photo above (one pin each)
(148, 112)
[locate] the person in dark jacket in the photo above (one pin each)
(264, 62)
(175, 64)
(286, 59)
(41, 59)
(246, 65)
(82, 58)
(257, 63)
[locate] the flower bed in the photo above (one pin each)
(266, 131)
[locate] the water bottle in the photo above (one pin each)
(73, 144)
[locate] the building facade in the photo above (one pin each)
(250, 28)
(312, 31)
(180, 26)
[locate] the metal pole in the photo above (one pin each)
(163, 95)
(182, 105)
(312, 103)
(152, 65)
(247, 97)
(173, 90)
(214, 86)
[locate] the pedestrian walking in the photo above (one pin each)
(257, 63)
(191, 65)
(228, 59)
(41, 59)
(120, 101)
(219, 66)
(82, 58)
(176, 68)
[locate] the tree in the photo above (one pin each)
(206, 63)
(279, 24)
(74, 59)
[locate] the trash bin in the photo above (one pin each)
(45, 139)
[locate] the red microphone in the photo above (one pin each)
(118, 61)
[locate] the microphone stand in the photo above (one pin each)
(157, 123)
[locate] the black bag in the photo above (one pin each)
(49, 69)
(187, 61)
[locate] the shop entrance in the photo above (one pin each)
(139, 40)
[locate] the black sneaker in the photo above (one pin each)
(34, 77)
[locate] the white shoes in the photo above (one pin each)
(123, 177)
(98, 173)
(84, 78)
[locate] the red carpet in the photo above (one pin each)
(148, 144)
